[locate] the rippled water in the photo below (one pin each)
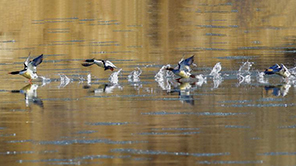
(139, 114)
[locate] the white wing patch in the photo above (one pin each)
(26, 63)
(108, 63)
(99, 63)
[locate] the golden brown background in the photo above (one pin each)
(138, 33)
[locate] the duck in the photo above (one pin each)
(183, 69)
(106, 64)
(280, 70)
(29, 70)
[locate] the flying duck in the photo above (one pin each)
(279, 70)
(102, 63)
(29, 70)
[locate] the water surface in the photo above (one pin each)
(82, 116)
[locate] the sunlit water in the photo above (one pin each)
(231, 114)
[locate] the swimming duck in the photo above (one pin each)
(279, 70)
(183, 68)
(29, 70)
(102, 63)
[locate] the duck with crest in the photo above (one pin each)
(106, 64)
(29, 70)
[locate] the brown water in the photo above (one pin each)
(62, 121)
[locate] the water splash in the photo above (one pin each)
(217, 78)
(80, 80)
(162, 77)
(245, 68)
(134, 75)
(201, 80)
(217, 82)
(45, 80)
(242, 79)
(260, 78)
(244, 74)
(293, 71)
(292, 78)
(64, 80)
(216, 69)
(88, 79)
(114, 77)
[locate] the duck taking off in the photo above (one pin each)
(279, 70)
(102, 63)
(183, 68)
(29, 70)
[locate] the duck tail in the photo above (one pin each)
(86, 64)
(89, 60)
(15, 91)
(14, 72)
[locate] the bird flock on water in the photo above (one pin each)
(182, 70)
(180, 76)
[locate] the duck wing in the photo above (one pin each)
(26, 63)
(37, 60)
(100, 63)
(87, 64)
(33, 64)
(184, 64)
(109, 64)
(189, 61)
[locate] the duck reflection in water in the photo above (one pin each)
(277, 90)
(184, 91)
(30, 92)
(103, 88)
